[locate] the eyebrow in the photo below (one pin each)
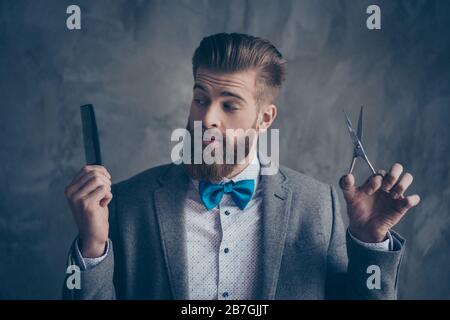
(223, 93)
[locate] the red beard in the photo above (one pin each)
(214, 172)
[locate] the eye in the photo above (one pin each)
(229, 107)
(200, 102)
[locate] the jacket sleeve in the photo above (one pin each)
(355, 271)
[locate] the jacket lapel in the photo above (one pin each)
(169, 201)
(275, 215)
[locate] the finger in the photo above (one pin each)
(407, 203)
(94, 174)
(94, 168)
(373, 183)
(89, 168)
(98, 179)
(401, 186)
(83, 176)
(106, 200)
(99, 193)
(89, 176)
(391, 178)
(98, 168)
(91, 185)
(347, 184)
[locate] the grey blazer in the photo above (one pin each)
(306, 252)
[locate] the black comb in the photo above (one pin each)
(90, 135)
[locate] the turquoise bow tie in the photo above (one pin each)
(241, 192)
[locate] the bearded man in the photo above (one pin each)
(224, 230)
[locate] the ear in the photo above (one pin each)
(266, 116)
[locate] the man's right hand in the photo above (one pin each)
(88, 195)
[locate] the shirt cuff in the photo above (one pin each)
(89, 263)
(386, 245)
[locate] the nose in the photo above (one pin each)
(211, 117)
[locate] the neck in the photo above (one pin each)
(240, 167)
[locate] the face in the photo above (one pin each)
(227, 101)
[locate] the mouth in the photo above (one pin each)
(213, 140)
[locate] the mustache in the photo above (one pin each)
(213, 134)
(220, 133)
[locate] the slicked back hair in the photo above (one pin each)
(235, 52)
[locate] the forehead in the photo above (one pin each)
(242, 82)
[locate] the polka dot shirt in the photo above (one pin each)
(224, 245)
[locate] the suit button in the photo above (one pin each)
(227, 213)
(226, 250)
(225, 294)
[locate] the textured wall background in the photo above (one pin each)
(132, 61)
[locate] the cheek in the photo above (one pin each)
(243, 119)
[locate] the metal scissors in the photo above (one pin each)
(358, 150)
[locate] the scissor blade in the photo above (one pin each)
(359, 130)
(358, 151)
(353, 135)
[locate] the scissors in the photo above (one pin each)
(358, 150)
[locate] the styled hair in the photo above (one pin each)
(234, 52)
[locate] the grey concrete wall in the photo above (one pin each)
(132, 61)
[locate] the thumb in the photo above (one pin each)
(347, 184)
(105, 201)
